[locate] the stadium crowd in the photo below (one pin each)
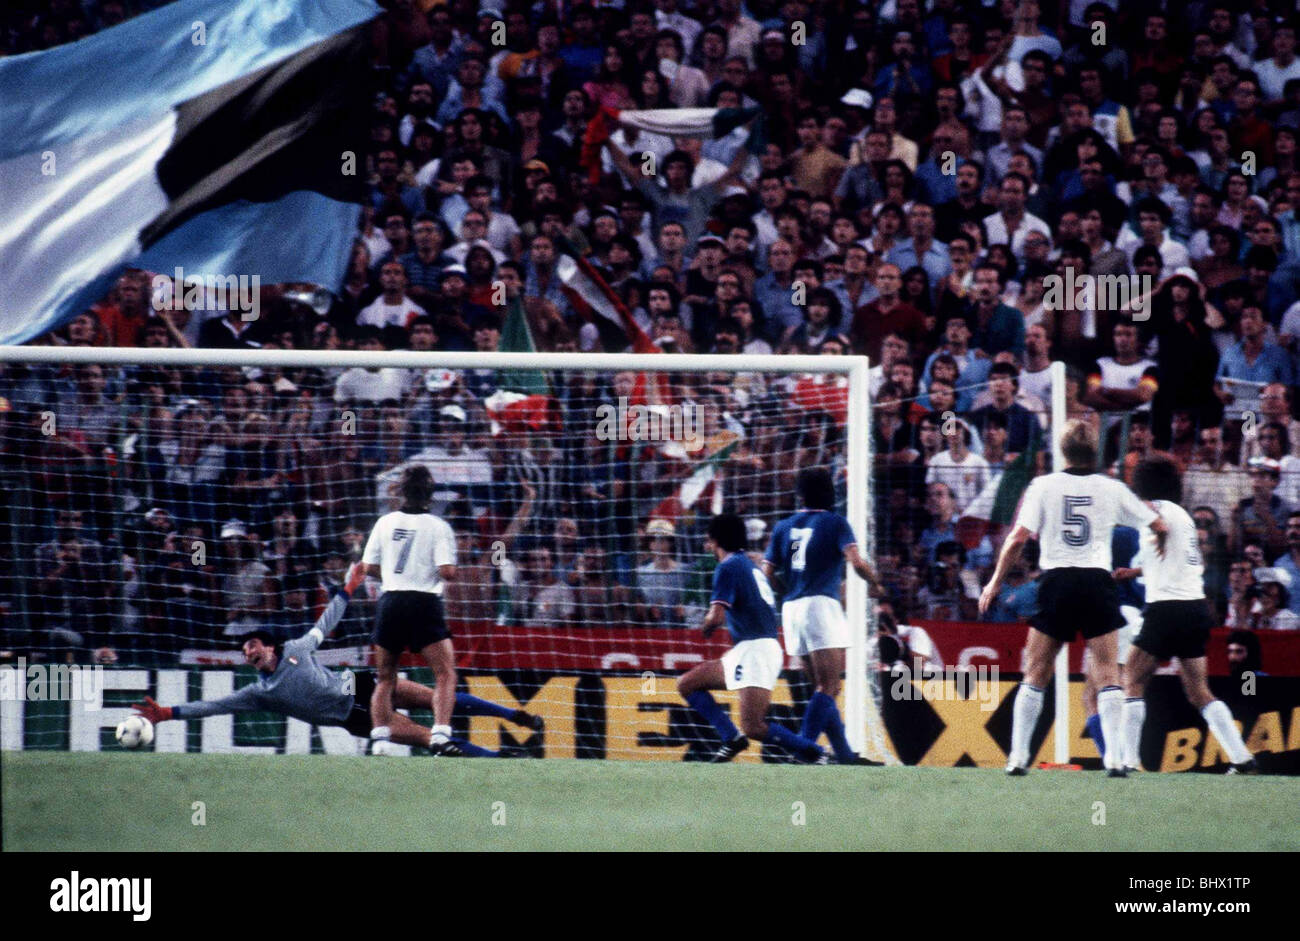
(920, 172)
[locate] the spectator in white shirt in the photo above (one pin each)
(1153, 223)
(1273, 73)
(1011, 223)
(965, 472)
(392, 308)
(370, 385)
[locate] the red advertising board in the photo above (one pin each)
(485, 646)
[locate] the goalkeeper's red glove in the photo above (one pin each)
(152, 711)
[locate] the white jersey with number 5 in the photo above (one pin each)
(1073, 516)
(1179, 575)
(408, 548)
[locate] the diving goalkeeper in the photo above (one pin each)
(293, 683)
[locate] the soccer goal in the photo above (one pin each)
(161, 504)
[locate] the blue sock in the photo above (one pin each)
(708, 707)
(834, 726)
(1093, 726)
(795, 744)
(814, 717)
(473, 751)
(467, 705)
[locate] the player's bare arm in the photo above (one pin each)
(865, 570)
(716, 617)
(1007, 558)
(1161, 529)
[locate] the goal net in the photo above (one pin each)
(161, 504)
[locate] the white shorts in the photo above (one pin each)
(813, 623)
(1123, 636)
(753, 663)
(1132, 625)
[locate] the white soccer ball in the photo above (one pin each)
(135, 732)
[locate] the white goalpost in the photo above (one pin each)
(581, 640)
(1061, 722)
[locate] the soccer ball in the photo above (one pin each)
(135, 732)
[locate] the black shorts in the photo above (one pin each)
(358, 720)
(409, 620)
(1175, 629)
(1077, 600)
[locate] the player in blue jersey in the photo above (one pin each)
(807, 553)
(293, 682)
(742, 599)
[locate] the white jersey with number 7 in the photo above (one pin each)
(1073, 516)
(408, 548)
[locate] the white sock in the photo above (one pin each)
(1135, 713)
(1024, 716)
(381, 732)
(439, 734)
(1219, 718)
(1110, 706)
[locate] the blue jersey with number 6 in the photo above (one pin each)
(807, 549)
(740, 586)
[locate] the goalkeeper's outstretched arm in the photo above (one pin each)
(333, 612)
(247, 699)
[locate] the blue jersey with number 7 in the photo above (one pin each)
(807, 549)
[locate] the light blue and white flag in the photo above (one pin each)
(207, 135)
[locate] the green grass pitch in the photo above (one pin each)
(115, 801)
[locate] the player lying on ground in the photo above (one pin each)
(742, 599)
(1073, 515)
(808, 551)
(294, 683)
(1176, 621)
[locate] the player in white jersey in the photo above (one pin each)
(1176, 622)
(414, 554)
(1072, 514)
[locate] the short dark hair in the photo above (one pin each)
(1009, 370)
(728, 531)
(1157, 478)
(816, 488)
(1155, 207)
(416, 488)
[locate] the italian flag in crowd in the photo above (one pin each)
(523, 399)
(708, 123)
(702, 482)
(598, 303)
